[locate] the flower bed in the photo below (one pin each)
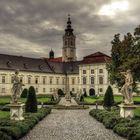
(13, 130)
(123, 127)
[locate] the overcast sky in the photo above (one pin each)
(32, 27)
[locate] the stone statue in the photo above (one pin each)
(17, 87)
(126, 90)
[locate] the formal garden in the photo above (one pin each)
(12, 129)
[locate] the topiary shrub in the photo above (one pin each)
(31, 103)
(108, 98)
(85, 93)
(60, 92)
(24, 93)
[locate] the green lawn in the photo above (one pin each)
(4, 114)
(116, 98)
(137, 112)
(6, 100)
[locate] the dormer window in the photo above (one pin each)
(40, 67)
(9, 63)
(25, 65)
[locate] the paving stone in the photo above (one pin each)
(70, 125)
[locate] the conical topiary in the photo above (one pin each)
(24, 93)
(108, 98)
(31, 103)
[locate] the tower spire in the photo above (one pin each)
(69, 30)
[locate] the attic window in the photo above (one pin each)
(25, 66)
(53, 68)
(9, 63)
(40, 67)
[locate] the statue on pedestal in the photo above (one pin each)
(16, 88)
(16, 108)
(126, 90)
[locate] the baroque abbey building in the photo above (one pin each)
(66, 73)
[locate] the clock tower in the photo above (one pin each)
(69, 48)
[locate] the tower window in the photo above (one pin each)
(65, 42)
(71, 43)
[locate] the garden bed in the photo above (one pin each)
(13, 130)
(123, 127)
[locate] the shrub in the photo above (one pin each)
(85, 93)
(60, 92)
(24, 93)
(31, 103)
(81, 98)
(108, 98)
(13, 130)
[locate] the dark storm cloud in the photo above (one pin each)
(33, 27)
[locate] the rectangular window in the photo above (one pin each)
(92, 71)
(44, 80)
(12, 77)
(92, 80)
(57, 81)
(78, 80)
(100, 70)
(73, 89)
(73, 81)
(21, 79)
(84, 71)
(36, 89)
(3, 90)
(3, 79)
(84, 80)
(100, 90)
(50, 89)
(63, 81)
(36, 80)
(29, 80)
(100, 80)
(51, 80)
(44, 89)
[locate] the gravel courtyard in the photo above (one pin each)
(70, 125)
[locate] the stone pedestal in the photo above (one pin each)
(127, 111)
(16, 111)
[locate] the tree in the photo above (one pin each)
(24, 93)
(108, 98)
(125, 55)
(31, 103)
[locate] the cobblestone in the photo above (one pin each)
(70, 125)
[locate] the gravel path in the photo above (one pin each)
(70, 125)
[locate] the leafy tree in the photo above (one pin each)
(24, 93)
(108, 98)
(125, 55)
(31, 103)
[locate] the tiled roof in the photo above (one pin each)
(42, 65)
(45, 65)
(57, 59)
(97, 57)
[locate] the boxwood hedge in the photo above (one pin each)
(123, 127)
(13, 130)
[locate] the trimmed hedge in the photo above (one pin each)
(13, 130)
(123, 127)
